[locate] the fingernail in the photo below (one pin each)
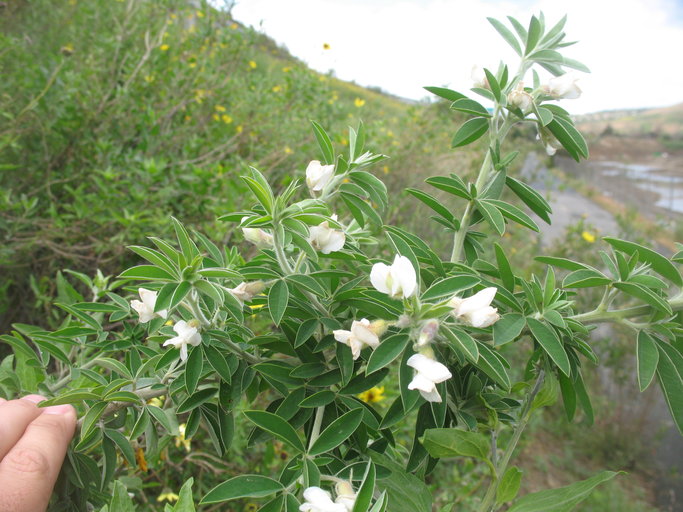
(58, 409)
(36, 399)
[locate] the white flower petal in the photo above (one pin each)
(342, 335)
(404, 274)
(431, 396)
(379, 275)
(183, 352)
(479, 300)
(483, 317)
(422, 382)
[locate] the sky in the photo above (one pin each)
(633, 47)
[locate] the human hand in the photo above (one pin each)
(33, 443)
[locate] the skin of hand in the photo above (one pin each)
(33, 442)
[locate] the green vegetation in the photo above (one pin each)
(118, 114)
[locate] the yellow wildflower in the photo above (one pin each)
(252, 64)
(588, 237)
(326, 46)
(286, 69)
(288, 150)
(170, 322)
(67, 50)
(250, 507)
(372, 395)
(200, 14)
(192, 64)
(385, 169)
(239, 128)
(173, 16)
(219, 108)
(344, 141)
(72, 2)
(168, 496)
(216, 117)
(140, 458)
(322, 78)
(149, 78)
(234, 26)
(277, 88)
(180, 438)
(359, 102)
(187, 118)
(164, 47)
(226, 119)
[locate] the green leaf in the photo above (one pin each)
(195, 400)
(463, 342)
(646, 295)
(504, 269)
(492, 216)
(161, 418)
(278, 297)
(243, 486)
(562, 263)
(670, 375)
(562, 499)
(470, 131)
(187, 246)
(453, 442)
(507, 35)
(659, 263)
(569, 137)
(324, 143)
(277, 426)
(337, 432)
(509, 485)
(648, 357)
(444, 93)
(406, 492)
(533, 35)
(114, 366)
(451, 184)
(585, 278)
(91, 417)
(390, 348)
(530, 197)
(507, 328)
(551, 344)
(493, 84)
(449, 286)
(470, 107)
(491, 366)
(432, 202)
(185, 501)
(120, 501)
(513, 213)
(193, 369)
(148, 272)
(366, 490)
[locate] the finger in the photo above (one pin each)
(30, 469)
(16, 415)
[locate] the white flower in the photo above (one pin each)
(319, 500)
(187, 335)
(325, 239)
(479, 78)
(146, 308)
(345, 495)
(549, 141)
(476, 310)
(562, 87)
(396, 280)
(257, 236)
(317, 175)
(519, 98)
(429, 374)
(361, 333)
(244, 292)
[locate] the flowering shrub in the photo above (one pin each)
(287, 339)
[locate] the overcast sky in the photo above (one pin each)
(633, 47)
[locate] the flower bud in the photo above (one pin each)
(345, 495)
(244, 292)
(257, 236)
(428, 332)
(325, 239)
(520, 99)
(318, 175)
(479, 78)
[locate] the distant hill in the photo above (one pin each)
(657, 122)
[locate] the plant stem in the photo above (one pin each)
(234, 347)
(599, 315)
(525, 415)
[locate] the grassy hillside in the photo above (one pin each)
(116, 115)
